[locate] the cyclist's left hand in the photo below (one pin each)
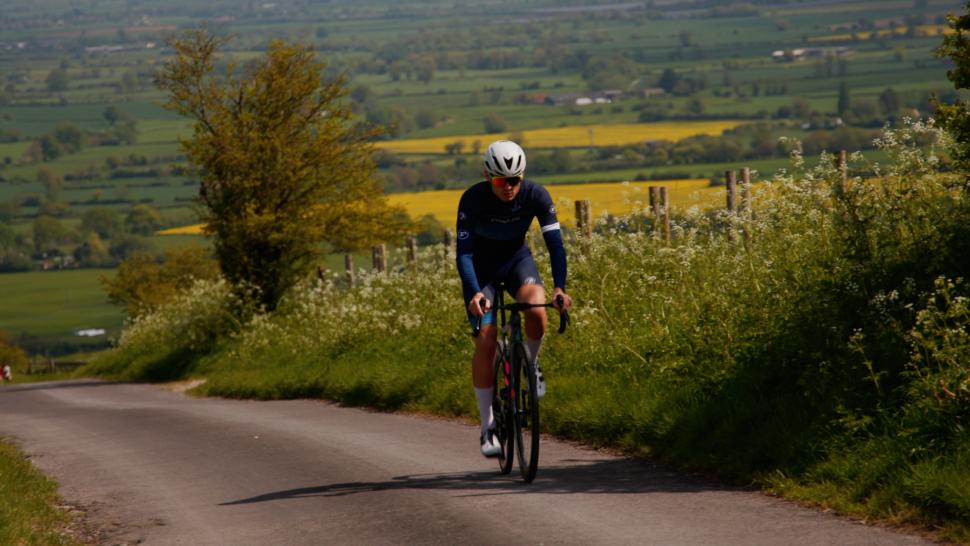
(567, 301)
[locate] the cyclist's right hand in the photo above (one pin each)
(475, 307)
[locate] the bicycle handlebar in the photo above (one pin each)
(563, 315)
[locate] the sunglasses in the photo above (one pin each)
(510, 181)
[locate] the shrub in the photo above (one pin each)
(144, 282)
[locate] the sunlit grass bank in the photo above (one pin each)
(817, 347)
(28, 503)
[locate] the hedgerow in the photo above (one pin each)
(816, 346)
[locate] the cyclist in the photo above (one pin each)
(493, 218)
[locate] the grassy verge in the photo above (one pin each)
(28, 503)
(825, 358)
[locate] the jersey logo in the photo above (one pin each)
(462, 215)
(462, 235)
(552, 209)
(506, 220)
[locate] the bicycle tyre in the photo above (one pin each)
(526, 413)
(502, 411)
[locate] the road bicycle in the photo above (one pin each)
(514, 405)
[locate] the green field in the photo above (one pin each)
(380, 47)
(55, 304)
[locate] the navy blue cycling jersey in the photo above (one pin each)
(491, 232)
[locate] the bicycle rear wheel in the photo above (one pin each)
(526, 412)
(502, 410)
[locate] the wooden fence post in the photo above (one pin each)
(665, 208)
(412, 249)
(584, 223)
(746, 208)
(731, 181)
(655, 206)
(380, 258)
(842, 164)
(449, 243)
(349, 266)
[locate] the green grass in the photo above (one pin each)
(786, 362)
(54, 304)
(28, 503)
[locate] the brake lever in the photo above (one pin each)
(563, 314)
(477, 328)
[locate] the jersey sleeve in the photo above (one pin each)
(465, 232)
(552, 235)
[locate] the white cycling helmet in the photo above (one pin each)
(504, 158)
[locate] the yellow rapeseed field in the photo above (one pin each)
(570, 137)
(921, 30)
(612, 197)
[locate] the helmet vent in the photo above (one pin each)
(508, 162)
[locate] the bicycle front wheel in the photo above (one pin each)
(526, 407)
(502, 410)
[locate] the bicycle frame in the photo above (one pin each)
(516, 408)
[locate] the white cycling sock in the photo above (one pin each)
(533, 345)
(484, 397)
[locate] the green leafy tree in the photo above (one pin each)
(143, 220)
(112, 114)
(686, 38)
(11, 354)
(48, 148)
(426, 119)
(494, 123)
(283, 166)
(70, 137)
(48, 233)
(425, 71)
(668, 80)
(51, 182)
(57, 80)
(956, 117)
(127, 245)
(889, 102)
(845, 101)
(129, 82)
(92, 252)
(105, 222)
(144, 281)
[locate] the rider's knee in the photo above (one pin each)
(531, 293)
(536, 318)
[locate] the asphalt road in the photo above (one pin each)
(158, 467)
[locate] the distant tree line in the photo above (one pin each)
(747, 142)
(68, 138)
(103, 238)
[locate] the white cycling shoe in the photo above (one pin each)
(490, 444)
(540, 382)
